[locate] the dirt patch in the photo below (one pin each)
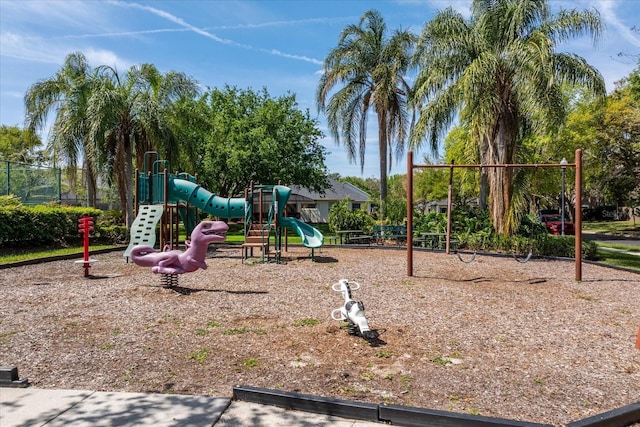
(494, 337)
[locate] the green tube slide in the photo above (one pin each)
(193, 194)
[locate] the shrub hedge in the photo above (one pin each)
(540, 245)
(473, 231)
(42, 225)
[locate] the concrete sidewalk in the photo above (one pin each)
(31, 407)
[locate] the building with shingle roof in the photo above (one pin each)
(313, 207)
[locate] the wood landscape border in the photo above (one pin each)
(578, 212)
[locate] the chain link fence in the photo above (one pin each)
(33, 184)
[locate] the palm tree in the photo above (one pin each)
(67, 92)
(499, 70)
(126, 115)
(370, 69)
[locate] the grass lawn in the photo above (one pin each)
(8, 256)
(615, 257)
(612, 227)
(620, 259)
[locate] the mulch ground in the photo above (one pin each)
(494, 337)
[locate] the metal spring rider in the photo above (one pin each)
(352, 311)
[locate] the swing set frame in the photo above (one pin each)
(578, 212)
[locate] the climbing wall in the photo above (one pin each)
(143, 230)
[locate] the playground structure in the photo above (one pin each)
(578, 214)
(266, 220)
(166, 199)
(352, 311)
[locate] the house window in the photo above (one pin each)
(355, 206)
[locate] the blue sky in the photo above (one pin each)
(279, 45)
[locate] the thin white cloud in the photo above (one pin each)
(41, 50)
(97, 57)
(203, 32)
(187, 27)
(16, 46)
(61, 14)
(463, 7)
(607, 11)
(284, 23)
(19, 43)
(14, 94)
(176, 20)
(288, 55)
(123, 33)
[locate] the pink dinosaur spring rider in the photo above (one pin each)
(179, 262)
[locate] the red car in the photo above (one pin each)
(553, 222)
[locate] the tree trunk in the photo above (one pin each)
(501, 191)
(91, 185)
(484, 174)
(128, 184)
(501, 150)
(382, 147)
(123, 168)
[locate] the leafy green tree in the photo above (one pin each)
(249, 136)
(617, 147)
(396, 206)
(634, 86)
(609, 134)
(67, 92)
(341, 217)
(20, 145)
(461, 148)
(126, 116)
(580, 131)
(499, 70)
(368, 69)
(430, 185)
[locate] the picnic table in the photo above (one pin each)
(430, 240)
(397, 233)
(353, 236)
(434, 241)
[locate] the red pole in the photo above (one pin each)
(410, 213)
(578, 216)
(86, 244)
(449, 209)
